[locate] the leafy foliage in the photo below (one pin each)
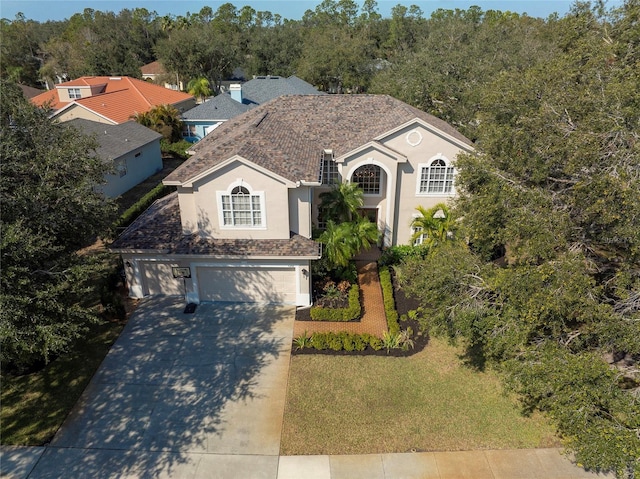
(548, 287)
(49, 209)
(165, 119)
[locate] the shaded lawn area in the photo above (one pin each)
(35, 405)
(425, 402)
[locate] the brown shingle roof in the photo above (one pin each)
(159, 229)
(286, 135)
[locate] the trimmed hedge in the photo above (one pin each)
(341, 341)
(142, 204)
(389, 302)
(340, 314)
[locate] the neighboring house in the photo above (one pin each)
(238, 227)
(134, 151)
(206, 117)
(29, 91)
(110, 100)
(156, 73)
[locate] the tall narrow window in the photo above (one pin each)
(368, 178)
(435, 178)
(328, 169)
(241, 208)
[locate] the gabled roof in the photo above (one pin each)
(288, 134)
(221, 107)
(153, 68)
(115, 140)
(29, 91)
(264, 88)
(119, 97)
(254, 92)
(159, 229)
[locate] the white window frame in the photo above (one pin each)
(74, 93)
(380, 178)
(252, 194)
(428, 166)
(329, 174)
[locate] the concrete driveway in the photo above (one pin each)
(182, 395)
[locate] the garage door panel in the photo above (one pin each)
(255, 285)
(158, 279)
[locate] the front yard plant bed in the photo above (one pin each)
(350, 313)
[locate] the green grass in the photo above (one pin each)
(33, 406)
(426, 402)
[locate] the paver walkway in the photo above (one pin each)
(373, 320)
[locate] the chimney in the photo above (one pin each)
(235, 89)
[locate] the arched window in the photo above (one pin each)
(241, 208)
(368, 178)
(436, 177)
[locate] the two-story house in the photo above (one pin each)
(238, 228)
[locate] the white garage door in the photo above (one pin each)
(253, 285)
(158, 279)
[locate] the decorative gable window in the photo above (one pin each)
(328, 169)
(74, 93)
(242, 208)
(368, 178)
(435, 178)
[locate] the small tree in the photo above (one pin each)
(434, 225)
(200, 88)
(341, 203)
(165, 119)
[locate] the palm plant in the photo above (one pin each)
(435, 225)
(165, 119)
(345, 240)
(341, 203)
(200, 88)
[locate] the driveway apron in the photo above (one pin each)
(182, 395)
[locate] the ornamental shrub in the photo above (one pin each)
(389, 303)
(340, 314)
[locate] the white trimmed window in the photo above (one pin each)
(328, 169)
(436, 178)
(74, 93)
(242, 208)
(368, 179)
(420, 239)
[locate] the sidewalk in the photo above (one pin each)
(22, 463)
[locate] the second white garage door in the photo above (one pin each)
(253, 285)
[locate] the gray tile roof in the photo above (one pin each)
(264, 88)
(115, 140)
(221, 107)
(287, 135)
(159, 229)
(254, 92)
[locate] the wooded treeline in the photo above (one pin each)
(434, 63)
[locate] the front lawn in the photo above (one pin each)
(35, 405)
(425, 402)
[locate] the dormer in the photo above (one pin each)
(71, 91)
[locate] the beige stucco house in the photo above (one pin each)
(238, 227)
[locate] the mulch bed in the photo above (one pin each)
(404, 304)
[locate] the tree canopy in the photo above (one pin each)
(50, 209)
(548, 288)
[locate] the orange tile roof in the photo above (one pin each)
(120, 99)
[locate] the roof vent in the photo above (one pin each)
(115, 78)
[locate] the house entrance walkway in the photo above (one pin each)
(373, 320)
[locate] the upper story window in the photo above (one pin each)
(242, 208)
(74, 93)
(328, 169)
(368, 179)
(435, 178)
